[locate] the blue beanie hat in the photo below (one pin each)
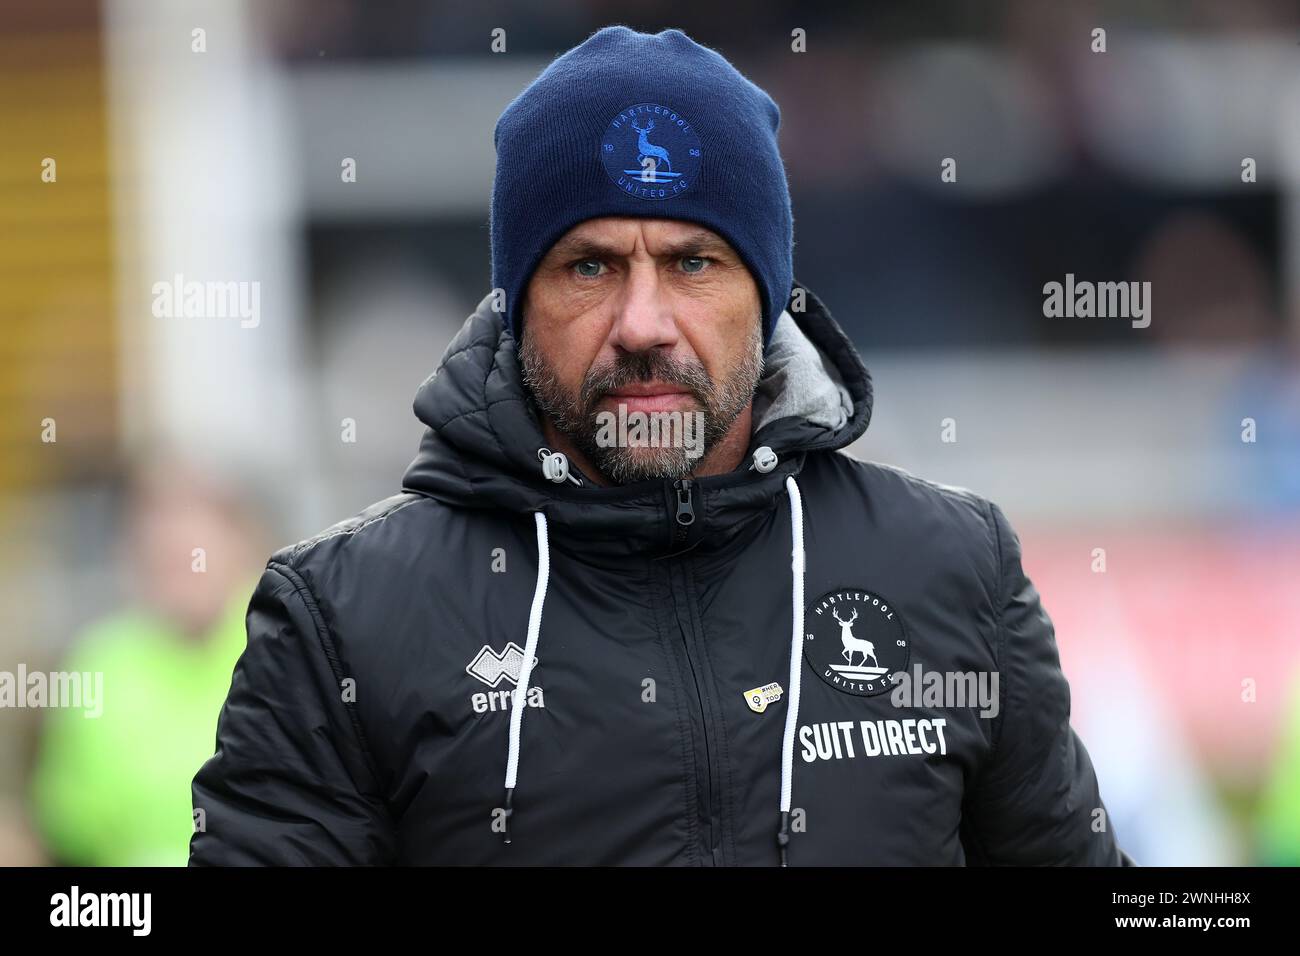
(653, 126)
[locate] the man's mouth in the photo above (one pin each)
(649, 397)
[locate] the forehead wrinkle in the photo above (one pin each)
(585, 244)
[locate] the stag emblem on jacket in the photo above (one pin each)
(854, 644)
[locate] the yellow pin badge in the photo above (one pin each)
(760, 697)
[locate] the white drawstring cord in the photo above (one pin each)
(526, 669)
(796, 659)
(796, 662)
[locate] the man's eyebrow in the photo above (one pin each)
(588, 246)
(697, 242)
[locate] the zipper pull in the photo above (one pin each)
(685, 508)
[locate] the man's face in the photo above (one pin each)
(657, 316)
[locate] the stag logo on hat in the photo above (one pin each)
(854, 639)
(651, 152)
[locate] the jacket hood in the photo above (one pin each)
(481, 448)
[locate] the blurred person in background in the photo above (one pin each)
(115, 790)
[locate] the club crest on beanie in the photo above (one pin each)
(643, 125)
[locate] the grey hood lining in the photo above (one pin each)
(799, 381)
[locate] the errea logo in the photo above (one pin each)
(492, 669)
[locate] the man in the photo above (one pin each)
(111, 781)
(583, 635)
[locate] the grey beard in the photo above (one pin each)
(576, 417)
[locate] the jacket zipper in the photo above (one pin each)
(685, 628)
(685, 490)
(683, 520)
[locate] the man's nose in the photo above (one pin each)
(645, 316)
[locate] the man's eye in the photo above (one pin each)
(588, 268)
(694, 263)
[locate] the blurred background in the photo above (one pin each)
(149, 463)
